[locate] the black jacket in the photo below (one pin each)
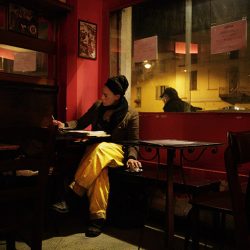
(127, 129)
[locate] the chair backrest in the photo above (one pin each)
(35, 153)
(236, 154)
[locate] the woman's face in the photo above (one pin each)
(108, 97)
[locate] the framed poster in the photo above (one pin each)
(22, 20)
(87, 33)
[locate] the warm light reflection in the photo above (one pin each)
(147, 64)
(7, 54)
(180, 48)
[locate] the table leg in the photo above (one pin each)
(170, 200)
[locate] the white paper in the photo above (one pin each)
(146, 49)
(99, 133)
(25, 61)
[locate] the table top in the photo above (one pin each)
(171, 143)
(8, 147)
(81, 135)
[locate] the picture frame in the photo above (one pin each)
(87, 39)
(22, 20)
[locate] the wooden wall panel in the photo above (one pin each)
(26, 104)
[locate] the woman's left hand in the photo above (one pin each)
(134, 165)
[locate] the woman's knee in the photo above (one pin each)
(103, 146)
(107, 152)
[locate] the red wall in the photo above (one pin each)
(80, 80)
(195, 126)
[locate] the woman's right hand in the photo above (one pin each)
(59, 124)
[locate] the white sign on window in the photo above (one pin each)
(228, 37)
(146, 49)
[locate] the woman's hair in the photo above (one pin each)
(171, 93)
(117, 84)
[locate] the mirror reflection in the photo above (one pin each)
(197, 47)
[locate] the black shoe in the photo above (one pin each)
(95, 227)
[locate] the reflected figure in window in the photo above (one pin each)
(173, 103)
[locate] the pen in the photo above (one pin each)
(53, 117)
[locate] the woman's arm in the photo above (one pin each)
(88, 118)
(83, 121)
(133, 134)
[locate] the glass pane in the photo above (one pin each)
(46, 29)
(24, 62)
(197, 47)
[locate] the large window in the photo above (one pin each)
(198, 47)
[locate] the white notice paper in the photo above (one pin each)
(88, 133)
(146, 49)
(25, 61)
(228, 37)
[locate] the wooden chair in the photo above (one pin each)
(238, 153)
(235, 201)
(22, 198)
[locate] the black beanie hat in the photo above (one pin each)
(170, 92)
(117, 84)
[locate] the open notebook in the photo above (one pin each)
(87, 133)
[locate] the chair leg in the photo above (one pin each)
(141, 236)
(146, 214)
(37, 231)
(221, 231)
(10, 243)
(188, 232)
(223, 227)
(194, 218)
(36, 242)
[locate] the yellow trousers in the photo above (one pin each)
(92, 175)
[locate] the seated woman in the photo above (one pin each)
(112, 115)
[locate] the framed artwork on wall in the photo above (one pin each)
(22, 20)
(87, 33)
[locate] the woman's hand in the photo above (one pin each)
(134, 165)
(59, 124)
